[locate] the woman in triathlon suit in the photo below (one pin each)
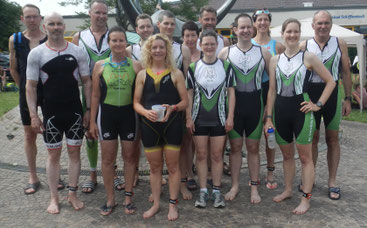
(262, 20)
(293, 110)
(161, 84)
(210, 83)
(112, 99)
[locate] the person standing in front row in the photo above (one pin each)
(161, 84)
(290, 111)
(210, 83)
(59, 65)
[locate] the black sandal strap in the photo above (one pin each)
(184, 179)
(73, 189)
(131, 194)
(307, 195)
(254, 183)
(270, 168)
(173, 201)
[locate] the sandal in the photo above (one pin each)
(118, 182)
(34, 186)
(89, 185)
(61, 184)
(107, 210)
(191, 185)
(226, 169)
(334, 190)
(271, 184)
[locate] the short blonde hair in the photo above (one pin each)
(147, 51)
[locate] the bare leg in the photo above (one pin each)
(53, 172)
(235, 162)
(270, 157)
(253, 160)
(333, 157)
(201, 145)
(30, 149)
(190, 158)
(315, 149)
(109, 151)
(172, 161)
(186, 194)
(155, 159)
(128, 153)
(289, 169)
(74, 172)
(308, 176)
(216, 153)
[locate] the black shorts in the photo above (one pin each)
(209, 131)
(264, 91)
(158, 134)
(68, 120)
(114, 121)
(248, 116)
(331, 111)
(290, 122)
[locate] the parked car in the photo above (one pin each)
(4, 62)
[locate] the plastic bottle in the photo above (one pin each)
(271, 138)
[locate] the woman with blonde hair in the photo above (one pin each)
(163, 86)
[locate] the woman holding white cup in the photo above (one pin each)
(163, 84)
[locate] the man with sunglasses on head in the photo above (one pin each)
(333, 52)
(208, 20)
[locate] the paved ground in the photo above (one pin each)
(19, 210)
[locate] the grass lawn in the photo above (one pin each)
(356, 115)
(8, 100)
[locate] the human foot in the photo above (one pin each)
(151, 212)
(302, 207)
(186, 194)
(172, 212)
(75, 201)
(255, 197)
(231, 195)
(283, 196)
(53, 208)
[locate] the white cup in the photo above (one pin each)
(160, 111)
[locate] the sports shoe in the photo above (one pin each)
(218, 200)
(202, 199)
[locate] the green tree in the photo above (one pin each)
(9, 21)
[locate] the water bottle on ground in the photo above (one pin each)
(271, 138)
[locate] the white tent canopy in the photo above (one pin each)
(350, 37)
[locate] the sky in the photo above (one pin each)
(47, 6)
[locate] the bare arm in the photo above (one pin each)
(31, 95)
(128, 52)
(346, 77)
(231, 105)
(311, 61)
(271, 94)
(279, 47)
(225, 41)
(223, 54)
(137, 67)
(95, 98)
(186, 54)
(75, 39)
(267, 57)
(13, 61)
(189, 123)
(302, 45)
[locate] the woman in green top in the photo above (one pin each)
(112, 95)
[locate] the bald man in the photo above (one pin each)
(59, 65)
(333, 52)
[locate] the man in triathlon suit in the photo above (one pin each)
(182, 56)
(249, 63)
(20, 44)
(333, 53)
(144, 28)
(59, 65)
(208, 20)
(94, 42)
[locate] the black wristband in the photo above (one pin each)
(87, 109)
(349, 98)
(268, 117)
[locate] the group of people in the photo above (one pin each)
(210, 91)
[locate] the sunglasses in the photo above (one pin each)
(262, 11)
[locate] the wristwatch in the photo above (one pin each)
(349, 98)
(319, 104)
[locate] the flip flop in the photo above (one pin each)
(131, 208)
(89, 184)
(34, 186)
(335, 190)
(61, 184)
(118, 182)
(107, 209)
